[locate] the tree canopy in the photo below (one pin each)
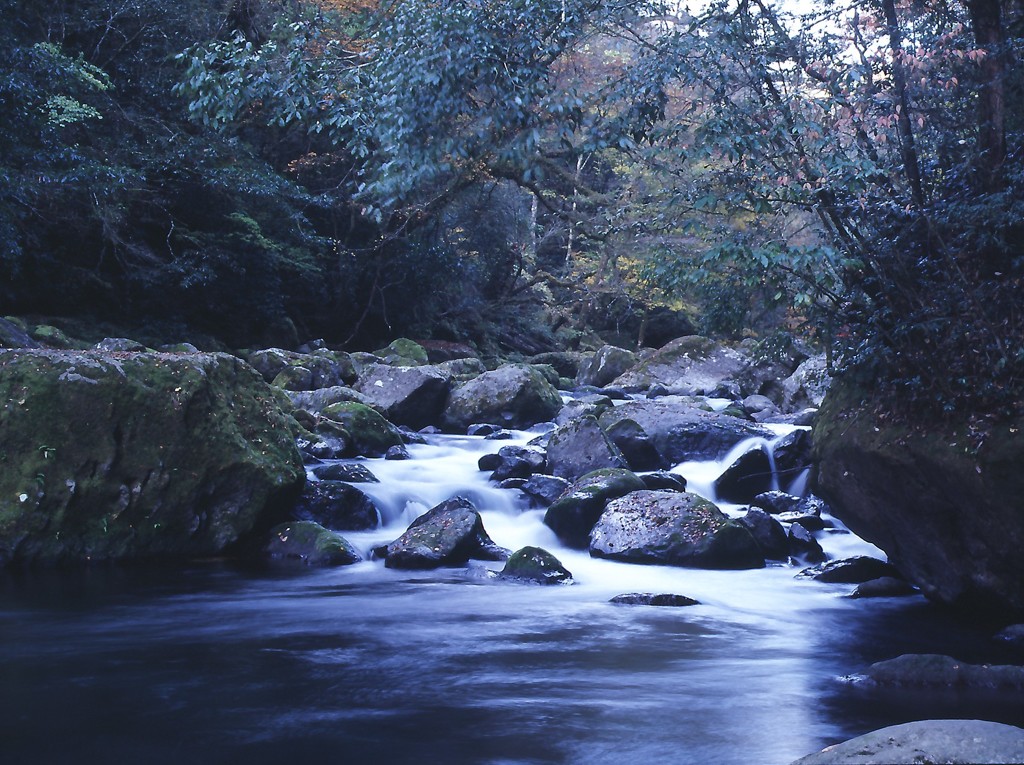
(359, 168)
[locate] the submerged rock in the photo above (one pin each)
(859, 568)
(534, 564)
(133, 455)
(312, 544)
(947, 741)
(884, 587)
(672, 528)
(652, 599)
(935, 671)
(449, 534)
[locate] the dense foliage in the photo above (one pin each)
(523, 171)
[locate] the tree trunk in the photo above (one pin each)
(986, 18)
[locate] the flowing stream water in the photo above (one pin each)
(217, 663)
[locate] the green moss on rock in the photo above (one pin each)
(131, 455)
(369, 433)
(312, 544)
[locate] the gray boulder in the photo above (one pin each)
(687, 366)
(958, 742)
(544, 489)
(513, 396)
(884, 587)
(636, 446)
(516, 462)
(449, 534)
(672, 528)
(802, 544)
(807, 386)
(365, 432)
(681, 431)
(352, 472)
(413, 396)
(580, 447)
(605, 365)
(574, 514)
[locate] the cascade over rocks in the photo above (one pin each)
(672, 528)
(449, 534)
(513, 396)
(944, 509)
(137, 455)
(681, 431)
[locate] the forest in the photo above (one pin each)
(520, 174)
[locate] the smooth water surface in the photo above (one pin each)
(213, 663)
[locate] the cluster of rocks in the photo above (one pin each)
(156, 481)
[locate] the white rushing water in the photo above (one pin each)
(447, 466)
(215, 664)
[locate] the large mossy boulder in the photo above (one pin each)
(407, 395)
(687, 366)
(673, 528)
(942, 502)
(574, 514)
(513, 396)
(449, 534)
(138, 455)
(679, 430)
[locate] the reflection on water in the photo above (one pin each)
(216, 664)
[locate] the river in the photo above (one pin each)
(216, 662)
